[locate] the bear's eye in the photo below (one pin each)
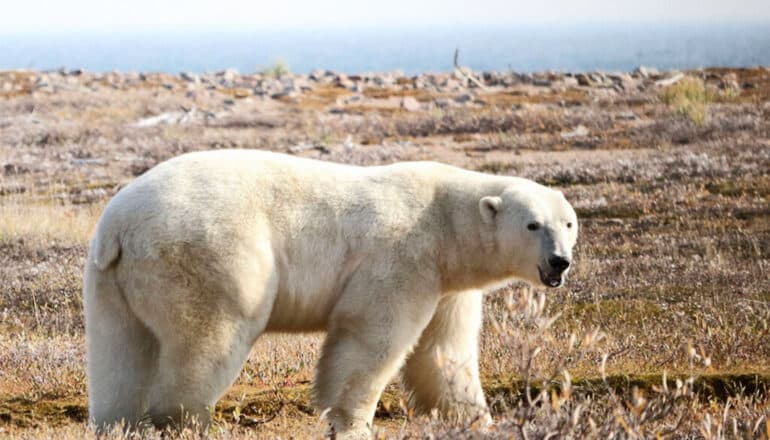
(569, 224)
(533, 226)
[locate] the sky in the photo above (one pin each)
(74, 16)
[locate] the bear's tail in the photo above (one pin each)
(105, 246)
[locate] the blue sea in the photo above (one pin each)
(521, 48)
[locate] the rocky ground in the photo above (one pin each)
(669, 172)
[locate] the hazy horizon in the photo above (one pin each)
(84, 16)
(523, 48)
(564, 24)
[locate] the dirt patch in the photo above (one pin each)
(25, 413)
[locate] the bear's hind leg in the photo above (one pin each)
(121, 354)
(443, 370)
(194, 372)
(206, 311)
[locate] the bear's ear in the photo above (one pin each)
(489, 207)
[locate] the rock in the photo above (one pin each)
(450, 84)
(646, 72)
(241, 93)
(384, 80)
(302, 147)
(490, 78)
(168, 118)
(405, 81)
(525, 78)
(11, 169)
(628, 84)
(343, 81)
(730, 82)
(465, 97)
(269, 86)
(541, 82)
(88, 161)
(345, 100)
(283, 94)
(302, 85)
(669, 81)
(289, 84)
(627, 116)
(618, 77)
(623, 81)
(583, 79)
(442, 103)
(229, 74)
(317, 75)
(410, 104)
(511, 79)
(579, 131)
(590, 203)
(88, 195)
(348, 144)
(189, 77)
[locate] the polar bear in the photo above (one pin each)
(196, 258)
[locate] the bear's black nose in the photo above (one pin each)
(559, 263)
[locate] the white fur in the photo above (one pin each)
(198, 257)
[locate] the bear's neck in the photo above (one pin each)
(468, 254)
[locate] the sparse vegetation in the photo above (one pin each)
(495, 167)
(277, 70)
(669, 300)
(688, 98)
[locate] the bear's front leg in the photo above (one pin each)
(371, 330)
(443, 371)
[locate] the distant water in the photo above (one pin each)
(520, 48)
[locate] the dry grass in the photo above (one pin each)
(671, 266)
(48, 222)
(688, 98)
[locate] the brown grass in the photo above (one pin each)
(48, 222)
(671, 267)
(688, 98)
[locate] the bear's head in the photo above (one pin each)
(533, 230)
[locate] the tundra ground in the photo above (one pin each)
(669, 301)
